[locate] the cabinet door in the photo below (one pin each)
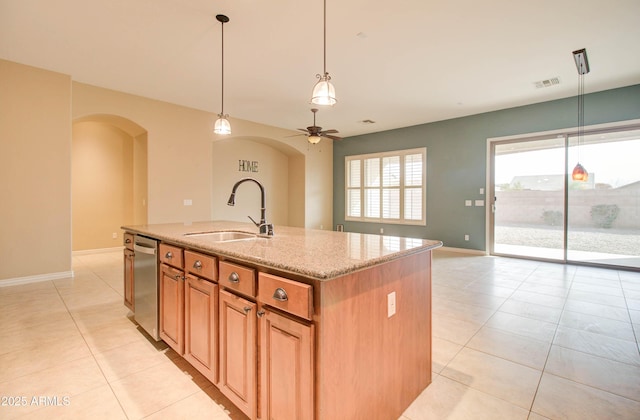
(238, 352)
(128, 279)
(172, 307)
(201, 326)
(286, 367)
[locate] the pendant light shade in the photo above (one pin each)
(323, 92)
(222, 125)
(579, 173)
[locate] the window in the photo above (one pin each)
(387, 187)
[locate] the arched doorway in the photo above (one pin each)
(109, 180)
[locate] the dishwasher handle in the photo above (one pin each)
(150, 250)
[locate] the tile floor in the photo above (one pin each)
(512, 339)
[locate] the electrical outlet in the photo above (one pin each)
(467, 203)
(391, 304)
(187, 202)
(466, 237)
(114, 235)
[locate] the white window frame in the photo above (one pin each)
(361, 187)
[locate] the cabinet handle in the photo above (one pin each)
(261, 314)
(178, 277)
(168, 255)
(246, 309)
(197, 265)
(127, 241)
(280, 295)
(234, 277)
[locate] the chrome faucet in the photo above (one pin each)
(265, 228)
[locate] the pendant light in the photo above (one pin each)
(222, 125)
(582, 64)
(323, 92)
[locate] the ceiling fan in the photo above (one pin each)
(315, 133)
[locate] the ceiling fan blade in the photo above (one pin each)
(333, 137)
(302, 129)
(297, 135)
(331, 131)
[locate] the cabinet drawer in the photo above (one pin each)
(127, 240)
(171, 255)
(201, 265)
(238, 278)
(290, 296)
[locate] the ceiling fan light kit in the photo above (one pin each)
(315, 133)
(222, 125)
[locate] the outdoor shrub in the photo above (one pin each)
(552, 217)
(603, 215)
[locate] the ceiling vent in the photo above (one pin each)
(547, 83)
(367, 122)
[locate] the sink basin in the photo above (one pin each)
(225, 236)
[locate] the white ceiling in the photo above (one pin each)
(398, 63)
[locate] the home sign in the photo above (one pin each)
(247, 165)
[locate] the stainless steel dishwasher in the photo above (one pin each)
(145, 287)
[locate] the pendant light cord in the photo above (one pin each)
(580, 107)
(324, 23)
(222, 88)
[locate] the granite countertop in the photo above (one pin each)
(318, 254)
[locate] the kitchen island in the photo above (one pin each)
(303, 324)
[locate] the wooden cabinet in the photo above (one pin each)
(172, 307)
(290, 296)
(238, 279)
(286, 367)
(237, 351)
(201, 314)
(171, 255)
(291, 345)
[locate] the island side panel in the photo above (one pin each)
(371, 366)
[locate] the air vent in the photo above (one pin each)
(547, 83)
(367, 122)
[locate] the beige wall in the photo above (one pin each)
(37, 108)
(35, 169)
(180, 145)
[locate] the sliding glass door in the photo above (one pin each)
(604, 212)
(540, 212)
(528, 208)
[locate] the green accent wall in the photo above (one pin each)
(456, 160)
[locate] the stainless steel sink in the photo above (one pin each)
(225, 236)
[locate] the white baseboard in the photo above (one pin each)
(462, 250)
(96, 251)
(35, 279)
